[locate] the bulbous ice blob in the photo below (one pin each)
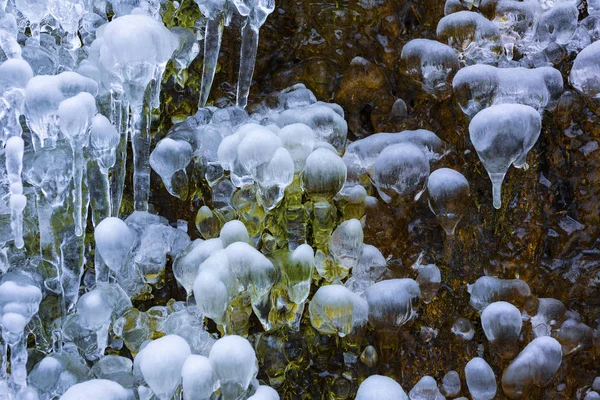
(155, 244)
(503, 135)
(161, 362)
(501, 322)
(114, 242)
(463, 328)
(277, 175)
(298, 271)
(585, 72)
(378, 387)
(256, 149)
(475, 38)
(264, 392)
(558, 24)
(488, 289)
(234, 364)
(324, 174)
(400, 173)
(392, 302)
(186, 265)
(479, 86)
(42, 97)
(429, 280)
(449, 197)
(574, 335)
(71, 83)
(431, 64)
(104, 140)
(481, 380)
(14, 74)
(19, 301)
(346, 243)
(198, 379)
(96, 389)
(296, 96)
(326, 124)
(536, 365)
(234, 231)
(550, 315)
(425, 389)
(336, 310)
(131, 42)
(360, 155)
(299, 140)
(169, 160)
(451, 384)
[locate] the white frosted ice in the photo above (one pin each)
(161, 363)
(378, 387)
(481, 380)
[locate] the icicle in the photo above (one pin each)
(212, 46)
(14, 166)
(247, 61)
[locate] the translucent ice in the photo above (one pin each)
(42, 97)
(429, 280)
(169, 160)
(75, 115)
(264, 392)
(336, 310)
(479, 86)
(326, 124)
(360, 155)
(488, 289)
(234, 364)
(392, 302)
(503, 135)
(198, 380)
(324, 174)
(481, 380)
(400, 173)
(536, 365)
(378, 387)
(298, 273)
(346, 243)
(134, 51)
(96, 389)
(186, 265)
(14, 150)
(451, 384)
(299, 140)
(161, 362)
(431, 64)
(501, 322)
(448, 197)
(475, 38)
(585, 71)
(425, 389)
(114, 242)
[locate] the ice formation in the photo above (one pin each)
(113, 292)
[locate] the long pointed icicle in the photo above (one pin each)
(140, 141)
(117, 177)
(247, 62)
(14, 165)
(212, 46)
